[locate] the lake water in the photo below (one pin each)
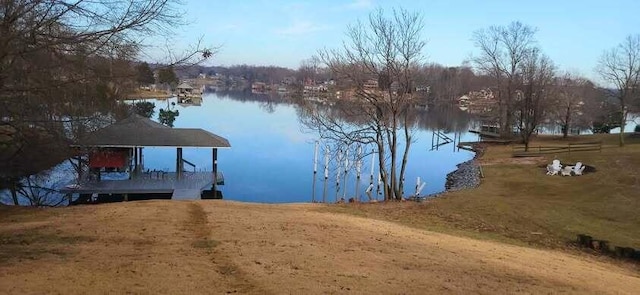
(271, 155)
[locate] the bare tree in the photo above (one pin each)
(64, 65)
(620, 68)
(572, 94)
(308, 70)
(533, 98)
(446, 84)
(376, 65)
(503, 50)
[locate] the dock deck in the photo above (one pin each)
(149, 183)
(483, 133)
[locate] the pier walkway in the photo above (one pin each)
(156, 182)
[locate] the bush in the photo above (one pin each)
(144, 108)
(168, 117)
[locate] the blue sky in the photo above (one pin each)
(283, 33)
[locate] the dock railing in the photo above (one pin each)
(190, 164)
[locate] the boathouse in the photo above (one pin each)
(185, 90)
(120, 148)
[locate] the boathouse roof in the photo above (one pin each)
(184, 85)
(138, 131)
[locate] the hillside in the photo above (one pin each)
(169, 247)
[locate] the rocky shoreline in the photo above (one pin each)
(467, 175)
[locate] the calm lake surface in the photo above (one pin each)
(271, 155)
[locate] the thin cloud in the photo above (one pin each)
(226, 28)
(360, 4)
(232, 27)
(301, 28)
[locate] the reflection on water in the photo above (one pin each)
(271, 158)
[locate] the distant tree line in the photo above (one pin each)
(528, 88)
(252, 73)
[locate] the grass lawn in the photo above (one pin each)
(518, 203)
(142, 94)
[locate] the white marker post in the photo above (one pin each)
(370, 188)
(346, 171)
(326, 174)
(379, 183)
(338, 174)
(315, 172)
(358, 171)
(419, 186)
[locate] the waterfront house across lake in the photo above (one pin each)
(116, 163)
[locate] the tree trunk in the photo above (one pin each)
(504, 117)
(567, 118)
(623, 121)
(405, 157)
(381, 165)
(14, 193)
(393, 148)
(506, 128)
(526, 136)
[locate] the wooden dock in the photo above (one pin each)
(485, 133)
(189, 186)
(186, 194)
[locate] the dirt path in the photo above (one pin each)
(219, 247)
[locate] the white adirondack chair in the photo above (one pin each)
(566, 171)
(578, 168)
(554, 168)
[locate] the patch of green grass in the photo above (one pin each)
(37, 237)
(205, 244)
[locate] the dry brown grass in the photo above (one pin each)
(517, 202)
(142, 94)
(26, 235)
(218, 247)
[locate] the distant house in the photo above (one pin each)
(315, 88)
(289, 81)
(349, 94)
(258, 87)
(371, 84)
(423, 88)
(463, 102)
(478, 102)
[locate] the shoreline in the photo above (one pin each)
(467, 174)
(149, 95)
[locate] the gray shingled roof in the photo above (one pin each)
(138, 131)
(184, 85)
